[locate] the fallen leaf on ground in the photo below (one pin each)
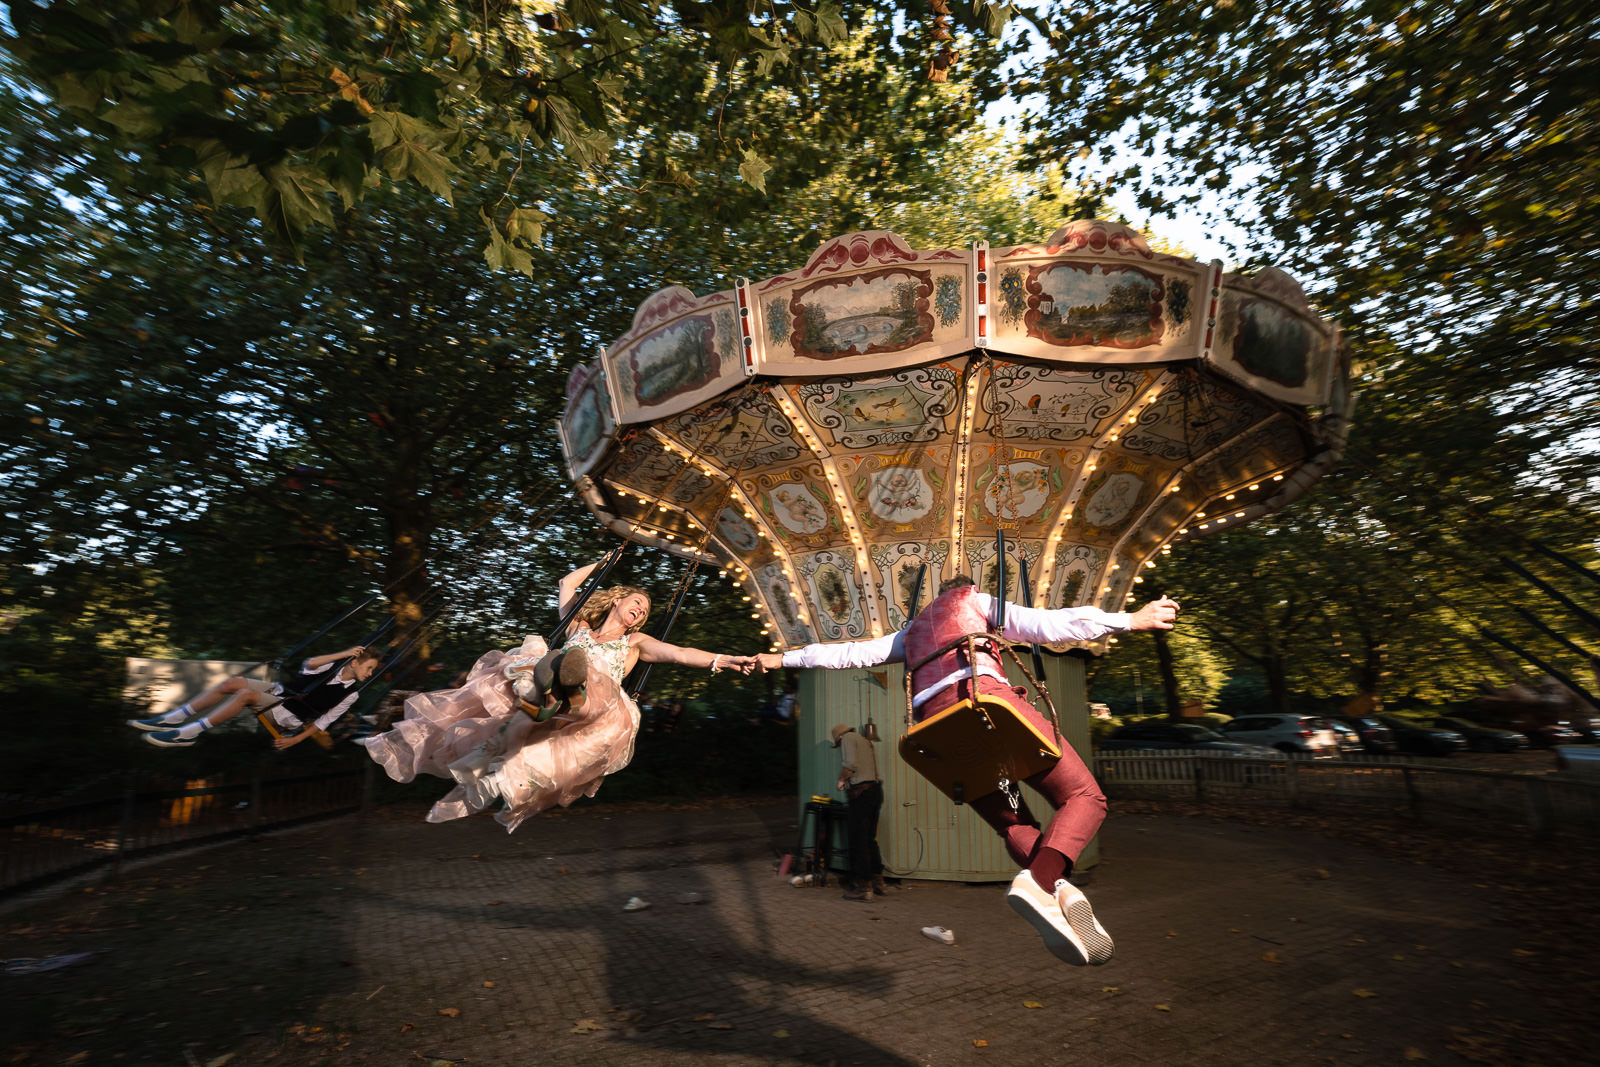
(1163, 1007)
(488, 985)
(1031, 1004)
(1172, 933)
(586, 1026)
(1322, 873)
(493, 904)
(1111, 989)
(979, 1042)
(780, 1033)
(1397, 956)
(1522, 952)
(705, 1016)
(1271, 957)
(451, 1012)
(561, 870)
(721, 1026)
(1363, 992)
(407, 1026)
(1413, 1053)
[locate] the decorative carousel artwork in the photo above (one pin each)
(774, 585)
(897, 566)
(679, 359)
(861, 315)
(588, 417)
(797, 509)
(899, 494)
(1048, 404)
(1075, 575)
(865, 430)
(738, 434)
(1268, 337)
(910, 406)
(1109, 500)
(984, 564)
(1016, 489)
(1071, 304)
(832, 578)
(736, 531)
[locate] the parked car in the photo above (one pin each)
(1295, 734)
(1551, 734)
(1376, 738)
(1144, 736)
(1423, 740)
(1349, 741)
(1481, 738)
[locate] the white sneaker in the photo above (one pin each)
(939, 934)
(636, 904)
(1040, 908)
(1085, 927)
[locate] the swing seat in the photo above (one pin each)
(966, 749)
(319, 736)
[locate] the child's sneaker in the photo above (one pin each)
(169, 739)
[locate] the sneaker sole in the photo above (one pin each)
(1059, 944)
(185, 743)
(1096, 942)
(150, 728)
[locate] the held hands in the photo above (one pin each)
(768, 661)
(742, 664)
(1156, 615)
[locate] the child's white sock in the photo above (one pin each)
(194, 729)
(182, 713)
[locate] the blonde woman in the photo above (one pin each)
(505, 736)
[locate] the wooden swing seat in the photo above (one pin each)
(957, 749)
(319, 736)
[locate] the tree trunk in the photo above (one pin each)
(1169, 677)
(1277, 683)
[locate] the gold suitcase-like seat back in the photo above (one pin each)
(966, 750)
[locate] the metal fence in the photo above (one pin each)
(46, 843)
(1540, 803)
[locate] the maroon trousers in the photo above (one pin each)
(1068, 787)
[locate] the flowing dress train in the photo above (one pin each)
(455, 734)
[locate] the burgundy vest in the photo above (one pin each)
(951, 615)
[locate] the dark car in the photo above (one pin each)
(1551, 734)
(1481, 738)
(1376, 738)
(1423, 740)
(1145, 736)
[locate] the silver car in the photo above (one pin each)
(1307, 735)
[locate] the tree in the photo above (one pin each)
(286, 106)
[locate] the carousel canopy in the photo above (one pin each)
(824, 434)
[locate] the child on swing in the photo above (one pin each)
(312, 699)
(537, 727)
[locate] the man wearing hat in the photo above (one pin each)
(858, 780)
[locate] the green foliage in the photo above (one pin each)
(289, 106)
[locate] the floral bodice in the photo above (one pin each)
(612, 656)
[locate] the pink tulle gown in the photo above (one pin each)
(455, 733)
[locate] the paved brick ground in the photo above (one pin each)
(1235, 944)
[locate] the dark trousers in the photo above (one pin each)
(861, 819)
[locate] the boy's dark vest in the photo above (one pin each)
(322, 693)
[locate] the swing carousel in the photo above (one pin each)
(844, 435)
